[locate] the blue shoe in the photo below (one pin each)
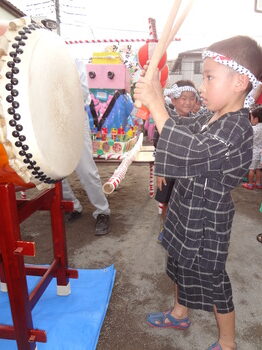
(215, 346)
(166, 320)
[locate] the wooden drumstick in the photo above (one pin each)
(166, 39)
(161, 44)
(179, 22)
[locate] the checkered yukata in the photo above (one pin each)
(207, 161)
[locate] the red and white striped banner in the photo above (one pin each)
(104, 41)
(101, 41)
(152, 37)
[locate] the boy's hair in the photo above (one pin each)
(180, 83)
(242, 49)
(257, 113)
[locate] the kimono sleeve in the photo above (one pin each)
(180, 153)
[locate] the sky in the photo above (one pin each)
(207, 22)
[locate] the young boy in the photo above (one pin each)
(208, 156)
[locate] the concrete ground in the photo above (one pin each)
(141, 284)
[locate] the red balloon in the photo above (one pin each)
(164, 75)
(143, 55)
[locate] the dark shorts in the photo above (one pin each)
(201, 289)
(164, 195)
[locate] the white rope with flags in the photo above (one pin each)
(121, 170)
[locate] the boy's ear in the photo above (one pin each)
(242, 82)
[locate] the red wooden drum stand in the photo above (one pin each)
(13, 270)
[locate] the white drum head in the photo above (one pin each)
(42, 104)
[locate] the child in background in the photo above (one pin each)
(208, 156)
(149, 126)
(183, 96)
(255, 169)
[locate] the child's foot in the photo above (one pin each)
(248, 186)
(259, 186)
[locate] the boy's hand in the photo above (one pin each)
(161, 181)
(147, 91)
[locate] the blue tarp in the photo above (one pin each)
(71, 322)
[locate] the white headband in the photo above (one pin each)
(176, 91)
(227, 61)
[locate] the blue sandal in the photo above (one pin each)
(159, 320)
(215, 346)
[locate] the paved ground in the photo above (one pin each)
(141, 285)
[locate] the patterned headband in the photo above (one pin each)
(229, 62)
(176, 91)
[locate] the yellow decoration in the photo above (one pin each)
(106, 58)
(129, 134)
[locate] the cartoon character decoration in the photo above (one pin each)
(129, 58)
(111, 106)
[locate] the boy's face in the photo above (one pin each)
(218, 87)
(185, 103)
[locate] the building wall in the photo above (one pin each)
(187, 72)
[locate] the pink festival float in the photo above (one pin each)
(114, 129)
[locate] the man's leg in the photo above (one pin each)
(68, 194)
(89, 177)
